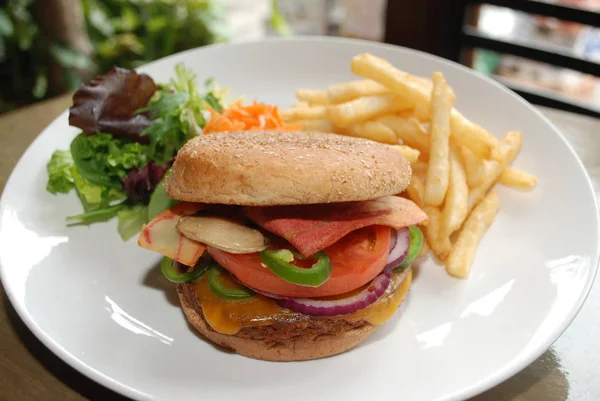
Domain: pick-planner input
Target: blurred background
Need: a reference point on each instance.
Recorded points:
(48, 47)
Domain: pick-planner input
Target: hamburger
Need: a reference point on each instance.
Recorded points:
(287, 246)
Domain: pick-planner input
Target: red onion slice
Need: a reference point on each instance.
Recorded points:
(393, 238)
(344, 306)
(399, 250)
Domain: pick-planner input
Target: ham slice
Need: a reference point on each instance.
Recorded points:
(311, 228)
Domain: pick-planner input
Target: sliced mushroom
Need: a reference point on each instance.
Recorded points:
(224, 234)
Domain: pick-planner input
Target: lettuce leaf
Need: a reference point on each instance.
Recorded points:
(131, 220)
(96, 215)
(60, 172)
(141, 183)
(108, 103)
(213, 101)
(177, 111)
(105, 160)
(159, 200)
(63, 176)
(132, 130)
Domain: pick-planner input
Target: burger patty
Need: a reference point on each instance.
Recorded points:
(299, 325)
(305, 326)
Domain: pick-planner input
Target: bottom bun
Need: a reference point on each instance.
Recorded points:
(309, 337)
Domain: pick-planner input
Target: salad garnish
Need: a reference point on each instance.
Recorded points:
(132, 129)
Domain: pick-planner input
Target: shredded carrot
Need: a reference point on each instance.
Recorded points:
(256, 116)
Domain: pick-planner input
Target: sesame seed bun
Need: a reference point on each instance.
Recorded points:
(285, 168)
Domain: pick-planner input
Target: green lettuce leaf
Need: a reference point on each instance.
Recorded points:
(131, 220)
(177, 110)
(104, 160)
(96, 165)
(96, 215)
(60, 172)
(63, 177)
(159, 200)
(214, 101)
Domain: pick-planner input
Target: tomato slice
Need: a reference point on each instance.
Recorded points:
(355, 260)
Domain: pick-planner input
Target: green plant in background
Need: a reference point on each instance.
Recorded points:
(127, 33)
(22, 72)
(130, 33)
(278, 21)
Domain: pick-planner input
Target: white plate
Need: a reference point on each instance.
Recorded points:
(103, 306)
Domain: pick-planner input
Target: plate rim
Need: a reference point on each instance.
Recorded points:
(508, 370)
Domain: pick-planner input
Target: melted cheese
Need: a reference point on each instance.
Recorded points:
(385, 307)
(229, 317)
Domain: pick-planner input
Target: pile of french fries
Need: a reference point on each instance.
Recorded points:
(455, 162)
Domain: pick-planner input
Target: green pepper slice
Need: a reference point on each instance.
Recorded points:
(279, 263)
(170, 272)
(215, 284)
(414, 247)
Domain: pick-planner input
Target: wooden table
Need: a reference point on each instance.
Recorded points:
(29, 371)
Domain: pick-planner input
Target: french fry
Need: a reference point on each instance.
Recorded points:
(379, 70)
(425, 83)
(420, 170)
(365, 108)
(312, 96)
(305, 113)
(504, 154)
(455, 205)
(434, 218)
(301, 104)
(461, 258)
(409, 131)
(317, 125)
(436, 183)
(411, 155)
(439, 245)
(493, 171)
(508, 148)
(471, 135)
(474, 167)
(514, 178)
(417, 91)
(344, 92)
(455, 162)
(372, 130)
(416, 190)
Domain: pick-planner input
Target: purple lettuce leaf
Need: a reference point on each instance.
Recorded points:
(140, 183)
(108, 103)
